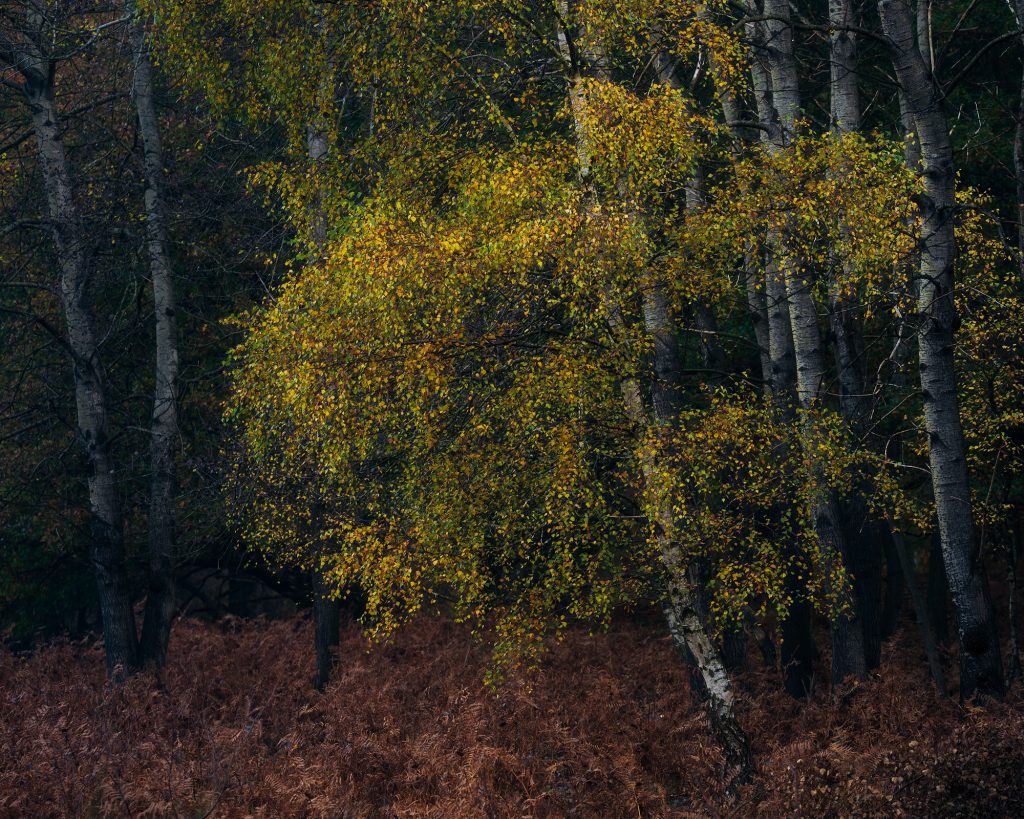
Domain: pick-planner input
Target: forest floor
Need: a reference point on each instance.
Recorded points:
(607, 727)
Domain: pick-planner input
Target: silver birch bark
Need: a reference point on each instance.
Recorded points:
(981, 669)
(808, 349)
(681, 610)
(798, 649)
(106, 522)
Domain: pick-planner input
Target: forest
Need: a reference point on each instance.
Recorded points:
(511, 408)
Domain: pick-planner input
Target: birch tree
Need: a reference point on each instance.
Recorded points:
(681, 607)
(980, 661)
(160, 602)
(33, 40)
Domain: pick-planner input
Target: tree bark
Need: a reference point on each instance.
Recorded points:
(106, 523)
(981, 669)
(845, 92)
(892, 607)
(681, 609)
(862, 535)
(1018, 147)
(1018, 172)
(156, 627)
(1013, 668)
(326, 607)
(938, 592)
(797, 640)
(847, 631)
(326, 630)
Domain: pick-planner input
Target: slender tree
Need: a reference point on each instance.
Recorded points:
(855, 400)
(794, 285)
(156, 627)
(681, 605)
(326, 608)
(1018, 139)
(798, 650)
(31, 51)
(980, 661)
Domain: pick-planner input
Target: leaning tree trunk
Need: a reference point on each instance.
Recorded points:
(685, 623)
(156, 627)
(106, 524)
(981, 667)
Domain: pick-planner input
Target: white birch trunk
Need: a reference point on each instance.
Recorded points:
(106, 523)
(981, 668)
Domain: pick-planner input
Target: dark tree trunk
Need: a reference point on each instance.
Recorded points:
(1018, 170)
(892, 607)
(327, 630)
(921, 612)
(156, 627)
(1018, 147)
(863, 538)
(1013, 666)
(326, 607)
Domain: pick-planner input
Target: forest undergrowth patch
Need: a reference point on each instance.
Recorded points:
(607, 727)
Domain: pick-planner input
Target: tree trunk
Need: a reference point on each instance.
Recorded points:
(1018, 147)
(1013, 666)
(326, 630)
(847, 631)
(981, 668)
(921, 612)
(892, 606)
(864, 553)
(845, 94)
(938, 592)
(797, 639)
(106, 524)
(713, 358)
(1018, 172)
(326, 607)
(681, 610)
(156, 627)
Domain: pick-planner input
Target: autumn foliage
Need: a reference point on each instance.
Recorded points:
(542, 316)
(607, 727)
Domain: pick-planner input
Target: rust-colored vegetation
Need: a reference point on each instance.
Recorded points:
(607, 727)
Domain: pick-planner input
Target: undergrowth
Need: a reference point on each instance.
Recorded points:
(607, 727)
